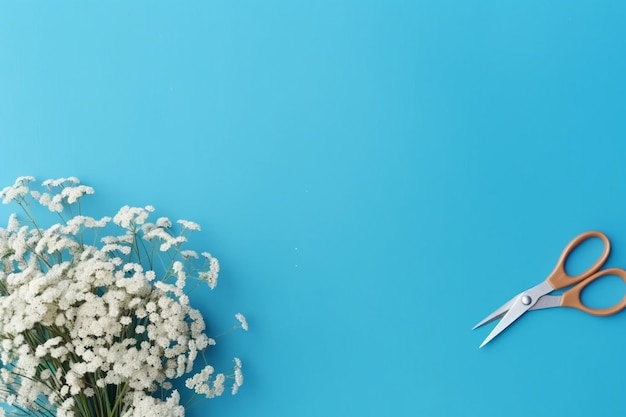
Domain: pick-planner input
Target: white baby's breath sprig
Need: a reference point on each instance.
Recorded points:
(94, 330)
(242, 321)
(238, 376)
(186, 224)
(211, 274)
(17, 191)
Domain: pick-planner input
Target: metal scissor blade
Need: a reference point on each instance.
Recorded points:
(500, 312)
(515, 312)
(522, 303)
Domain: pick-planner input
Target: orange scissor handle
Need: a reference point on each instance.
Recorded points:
(560, 279)
(571, 298)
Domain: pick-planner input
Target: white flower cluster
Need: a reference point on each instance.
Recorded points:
(79, 322)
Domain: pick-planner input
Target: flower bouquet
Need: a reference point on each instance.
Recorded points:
(100, 326)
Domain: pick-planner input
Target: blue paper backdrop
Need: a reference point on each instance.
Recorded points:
(375, 177)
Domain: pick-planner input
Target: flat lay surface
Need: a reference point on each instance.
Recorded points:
(375, 178)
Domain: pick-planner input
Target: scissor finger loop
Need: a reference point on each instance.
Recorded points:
(559, 278)
(572, 297)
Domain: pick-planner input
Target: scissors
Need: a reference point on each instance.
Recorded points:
(537, 298)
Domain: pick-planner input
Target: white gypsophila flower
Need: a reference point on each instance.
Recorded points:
(238, 373)
(60, 182)
(24, 180)
(238, 377)
(10, 194)
(123, 249)
(167, 239)
(53, 203)
(163, 222)
(242, 321)
(189, 225)
(218, 384)
(72, 194)
(188, 254)
(128, 216)
(13, 224)
(212, 274)
(200, 377)
(74, 225)
(17, 191)
(146, 406)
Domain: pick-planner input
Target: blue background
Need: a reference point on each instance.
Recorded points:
(375, 177)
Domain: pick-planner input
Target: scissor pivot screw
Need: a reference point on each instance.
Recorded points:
(526, 300)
